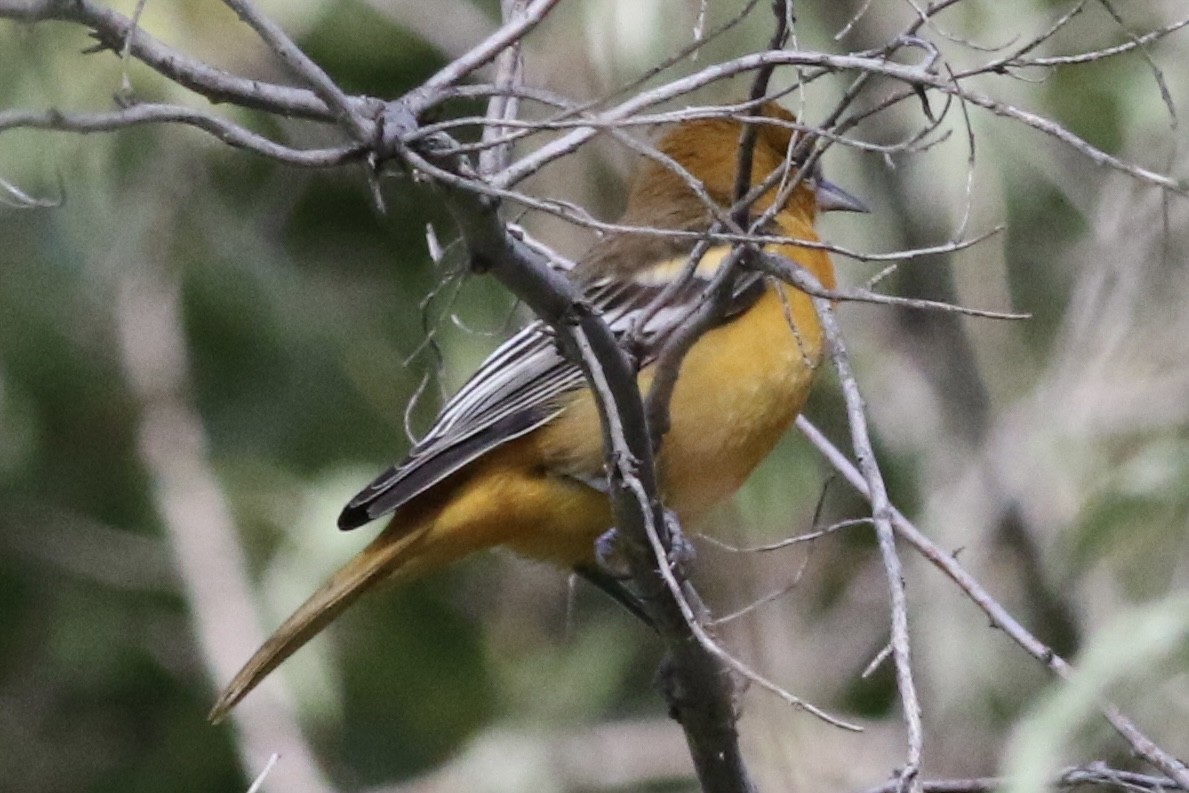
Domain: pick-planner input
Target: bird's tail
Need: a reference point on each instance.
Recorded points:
(378, 561)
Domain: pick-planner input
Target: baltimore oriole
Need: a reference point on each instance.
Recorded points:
(516, 456)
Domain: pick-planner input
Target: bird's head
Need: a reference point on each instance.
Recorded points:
(708, 149)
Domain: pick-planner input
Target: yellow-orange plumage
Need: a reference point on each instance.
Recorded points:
(740, 386)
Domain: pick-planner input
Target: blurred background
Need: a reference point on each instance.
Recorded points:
(204, 354)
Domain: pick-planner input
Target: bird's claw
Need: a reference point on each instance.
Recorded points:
(610, 556)
(682, 552)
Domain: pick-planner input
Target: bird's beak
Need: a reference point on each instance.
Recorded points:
(832, 198)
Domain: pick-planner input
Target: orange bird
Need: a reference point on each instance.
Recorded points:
(516, 456)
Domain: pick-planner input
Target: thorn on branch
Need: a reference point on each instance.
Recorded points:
(922, 95)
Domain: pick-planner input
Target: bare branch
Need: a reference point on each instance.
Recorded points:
(1100, 55)
(881, 514)
(13, 197)
(515, 29)
(468, 23)
(503, 106)
(791, 273)
(1095, 774)
(139, 115)
(1109, 52)
(1157, 74)
(999, 617)
(788, 542)
(690, 608)
(910, 75)
(347, 113)
(112, 30)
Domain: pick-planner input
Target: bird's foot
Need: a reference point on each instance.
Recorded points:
(682, 552)
(610, 556)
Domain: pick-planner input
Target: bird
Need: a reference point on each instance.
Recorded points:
(515, 457)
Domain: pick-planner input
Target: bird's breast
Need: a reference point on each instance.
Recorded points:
(739, 388)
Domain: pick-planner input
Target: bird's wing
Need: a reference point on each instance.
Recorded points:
(520, 386)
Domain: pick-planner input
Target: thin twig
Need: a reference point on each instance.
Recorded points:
(911, 75)
(1095, 774)
(881, 511)
(503, 106)
(682, 597)
(360, 127)
(1109, 52)
(514, 30)
(788, 542)
(139, 115)
(114, 30)
(999, 617)
(792, 273)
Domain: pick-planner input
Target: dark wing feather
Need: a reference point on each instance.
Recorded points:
(520, 385)
(512, 393)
